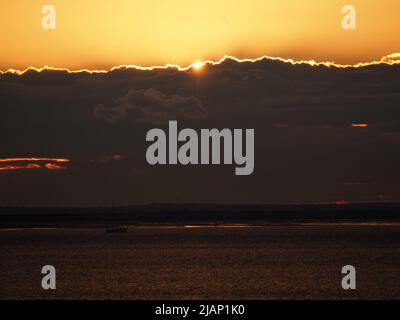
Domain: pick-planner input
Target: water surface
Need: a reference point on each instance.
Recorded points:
(192, 262)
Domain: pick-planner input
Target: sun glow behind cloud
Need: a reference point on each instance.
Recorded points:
(100, 34)
(198, 66)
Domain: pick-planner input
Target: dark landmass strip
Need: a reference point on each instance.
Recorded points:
(199, 214)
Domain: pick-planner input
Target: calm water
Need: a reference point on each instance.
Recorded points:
(298, 262)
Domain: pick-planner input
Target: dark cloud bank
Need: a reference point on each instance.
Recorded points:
(305, 147)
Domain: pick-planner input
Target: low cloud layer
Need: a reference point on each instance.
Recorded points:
(306, 145)
(151, 106)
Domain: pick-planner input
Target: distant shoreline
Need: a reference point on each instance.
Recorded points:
(201, 215)
(380, 224)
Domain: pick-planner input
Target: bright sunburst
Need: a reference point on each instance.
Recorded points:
(198, 65)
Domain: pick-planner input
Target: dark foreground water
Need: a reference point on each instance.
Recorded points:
(277, 262)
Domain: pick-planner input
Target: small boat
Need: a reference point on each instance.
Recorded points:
(119, 229)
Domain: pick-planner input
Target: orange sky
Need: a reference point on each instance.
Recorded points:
(99, 34)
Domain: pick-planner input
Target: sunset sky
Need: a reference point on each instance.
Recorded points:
(323, 132)
(100, 34)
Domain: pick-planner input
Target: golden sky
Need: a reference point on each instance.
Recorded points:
(99, 34)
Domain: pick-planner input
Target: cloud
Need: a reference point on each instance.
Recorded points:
(14, 164)
(387, 59)
(115, 157)
(151, 106)
(306, 148)
(392, 58)
(20, 167)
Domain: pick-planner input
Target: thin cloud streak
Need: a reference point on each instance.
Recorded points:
(51, 164)
(59, 160)
(22, 167)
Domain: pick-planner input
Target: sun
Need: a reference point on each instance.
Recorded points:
(198, 65)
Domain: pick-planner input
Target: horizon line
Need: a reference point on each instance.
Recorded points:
(165, 204)
(390, 59)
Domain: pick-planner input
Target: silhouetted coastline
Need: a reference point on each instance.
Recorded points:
(199, 214)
